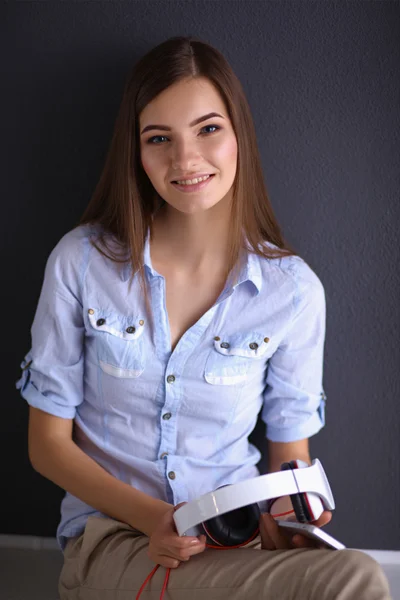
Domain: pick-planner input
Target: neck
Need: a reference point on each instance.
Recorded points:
(191, 244)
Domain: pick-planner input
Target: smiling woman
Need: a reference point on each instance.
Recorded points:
(189, 153)
(170, 319)
(192, 120)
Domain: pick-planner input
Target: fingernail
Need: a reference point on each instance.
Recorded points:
(194, 542)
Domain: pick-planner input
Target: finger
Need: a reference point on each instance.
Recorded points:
(183, 551)
(323, 519)
(168, 562)
(181, 548)
(279, 540)
(185, 543)
(300, 541)
(164, 560)
(197, 549)
(186, 553)
(266, 542)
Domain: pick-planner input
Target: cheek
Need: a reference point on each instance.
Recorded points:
(144, 161)
(227, 152)
(149, 162)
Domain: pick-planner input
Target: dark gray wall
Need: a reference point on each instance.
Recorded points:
(322, 79)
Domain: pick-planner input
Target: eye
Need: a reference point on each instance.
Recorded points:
(215, 127)
(150, 140)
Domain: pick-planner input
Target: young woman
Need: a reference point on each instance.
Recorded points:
(169, 318)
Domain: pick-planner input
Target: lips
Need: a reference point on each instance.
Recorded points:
(195, 187)
(192, 177)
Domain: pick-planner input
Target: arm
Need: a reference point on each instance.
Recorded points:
(294, 399)
(272, 537)
(280, 452)
(52, 384)
(55, 455)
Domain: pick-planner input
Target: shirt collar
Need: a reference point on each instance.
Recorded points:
(126, 271)
(250, 270)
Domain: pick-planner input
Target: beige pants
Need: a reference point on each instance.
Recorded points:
(109, 562)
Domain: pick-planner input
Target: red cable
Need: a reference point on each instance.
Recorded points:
(207, 546)
(150, 575)
(288, 512)
(165, 583)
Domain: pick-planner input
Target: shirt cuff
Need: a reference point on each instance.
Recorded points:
(37, 400)
(307, 429)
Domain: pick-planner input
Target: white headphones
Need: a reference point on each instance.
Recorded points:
(230, 515)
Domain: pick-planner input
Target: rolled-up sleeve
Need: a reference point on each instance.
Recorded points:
(294, 398)
(52, 370)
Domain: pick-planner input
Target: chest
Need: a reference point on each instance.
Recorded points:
(187, 300)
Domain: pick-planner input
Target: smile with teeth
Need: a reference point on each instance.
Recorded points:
(193, 181)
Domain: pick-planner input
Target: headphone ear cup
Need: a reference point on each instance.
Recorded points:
(298, 500)
(235, 527)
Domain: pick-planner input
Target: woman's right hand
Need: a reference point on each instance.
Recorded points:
(167, 548)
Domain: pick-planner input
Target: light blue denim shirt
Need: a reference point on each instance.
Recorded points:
(174, 424)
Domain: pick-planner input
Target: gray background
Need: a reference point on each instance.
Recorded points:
(322, 80)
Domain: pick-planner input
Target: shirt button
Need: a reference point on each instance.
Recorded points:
(91, 311)
(266, 340)
(171, 475)
(170, 378)
(253, 346)
(167, 416)
(100, 322)
(141, 322)
(217, 339)
(130, 330)
(225, 345)
(164, 454)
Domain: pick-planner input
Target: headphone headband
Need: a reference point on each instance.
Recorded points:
(310, 479)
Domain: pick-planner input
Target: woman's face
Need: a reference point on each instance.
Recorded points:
(185, 149)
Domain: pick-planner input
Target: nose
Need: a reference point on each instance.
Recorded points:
(184, 153)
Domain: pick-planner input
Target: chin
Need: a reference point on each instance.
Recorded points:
(192, 207)
(195, 205)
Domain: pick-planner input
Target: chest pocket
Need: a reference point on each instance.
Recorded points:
(119, 343)
(233, 356)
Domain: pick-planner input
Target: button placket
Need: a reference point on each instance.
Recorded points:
(173, 394)
(172, 391)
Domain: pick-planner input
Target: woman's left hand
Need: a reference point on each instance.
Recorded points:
(275, 538)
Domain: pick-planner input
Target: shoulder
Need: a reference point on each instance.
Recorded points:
(296, 272)
(301, 272)
(72, 244)
(67, 261)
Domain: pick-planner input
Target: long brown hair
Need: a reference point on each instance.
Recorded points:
(124, 200)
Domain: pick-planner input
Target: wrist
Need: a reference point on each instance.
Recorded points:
(154, 512)
(282, 509)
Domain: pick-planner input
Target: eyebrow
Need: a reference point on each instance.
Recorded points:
(192, 124)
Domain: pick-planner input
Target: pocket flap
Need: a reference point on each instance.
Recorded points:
(248, 344)
(121, 327)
